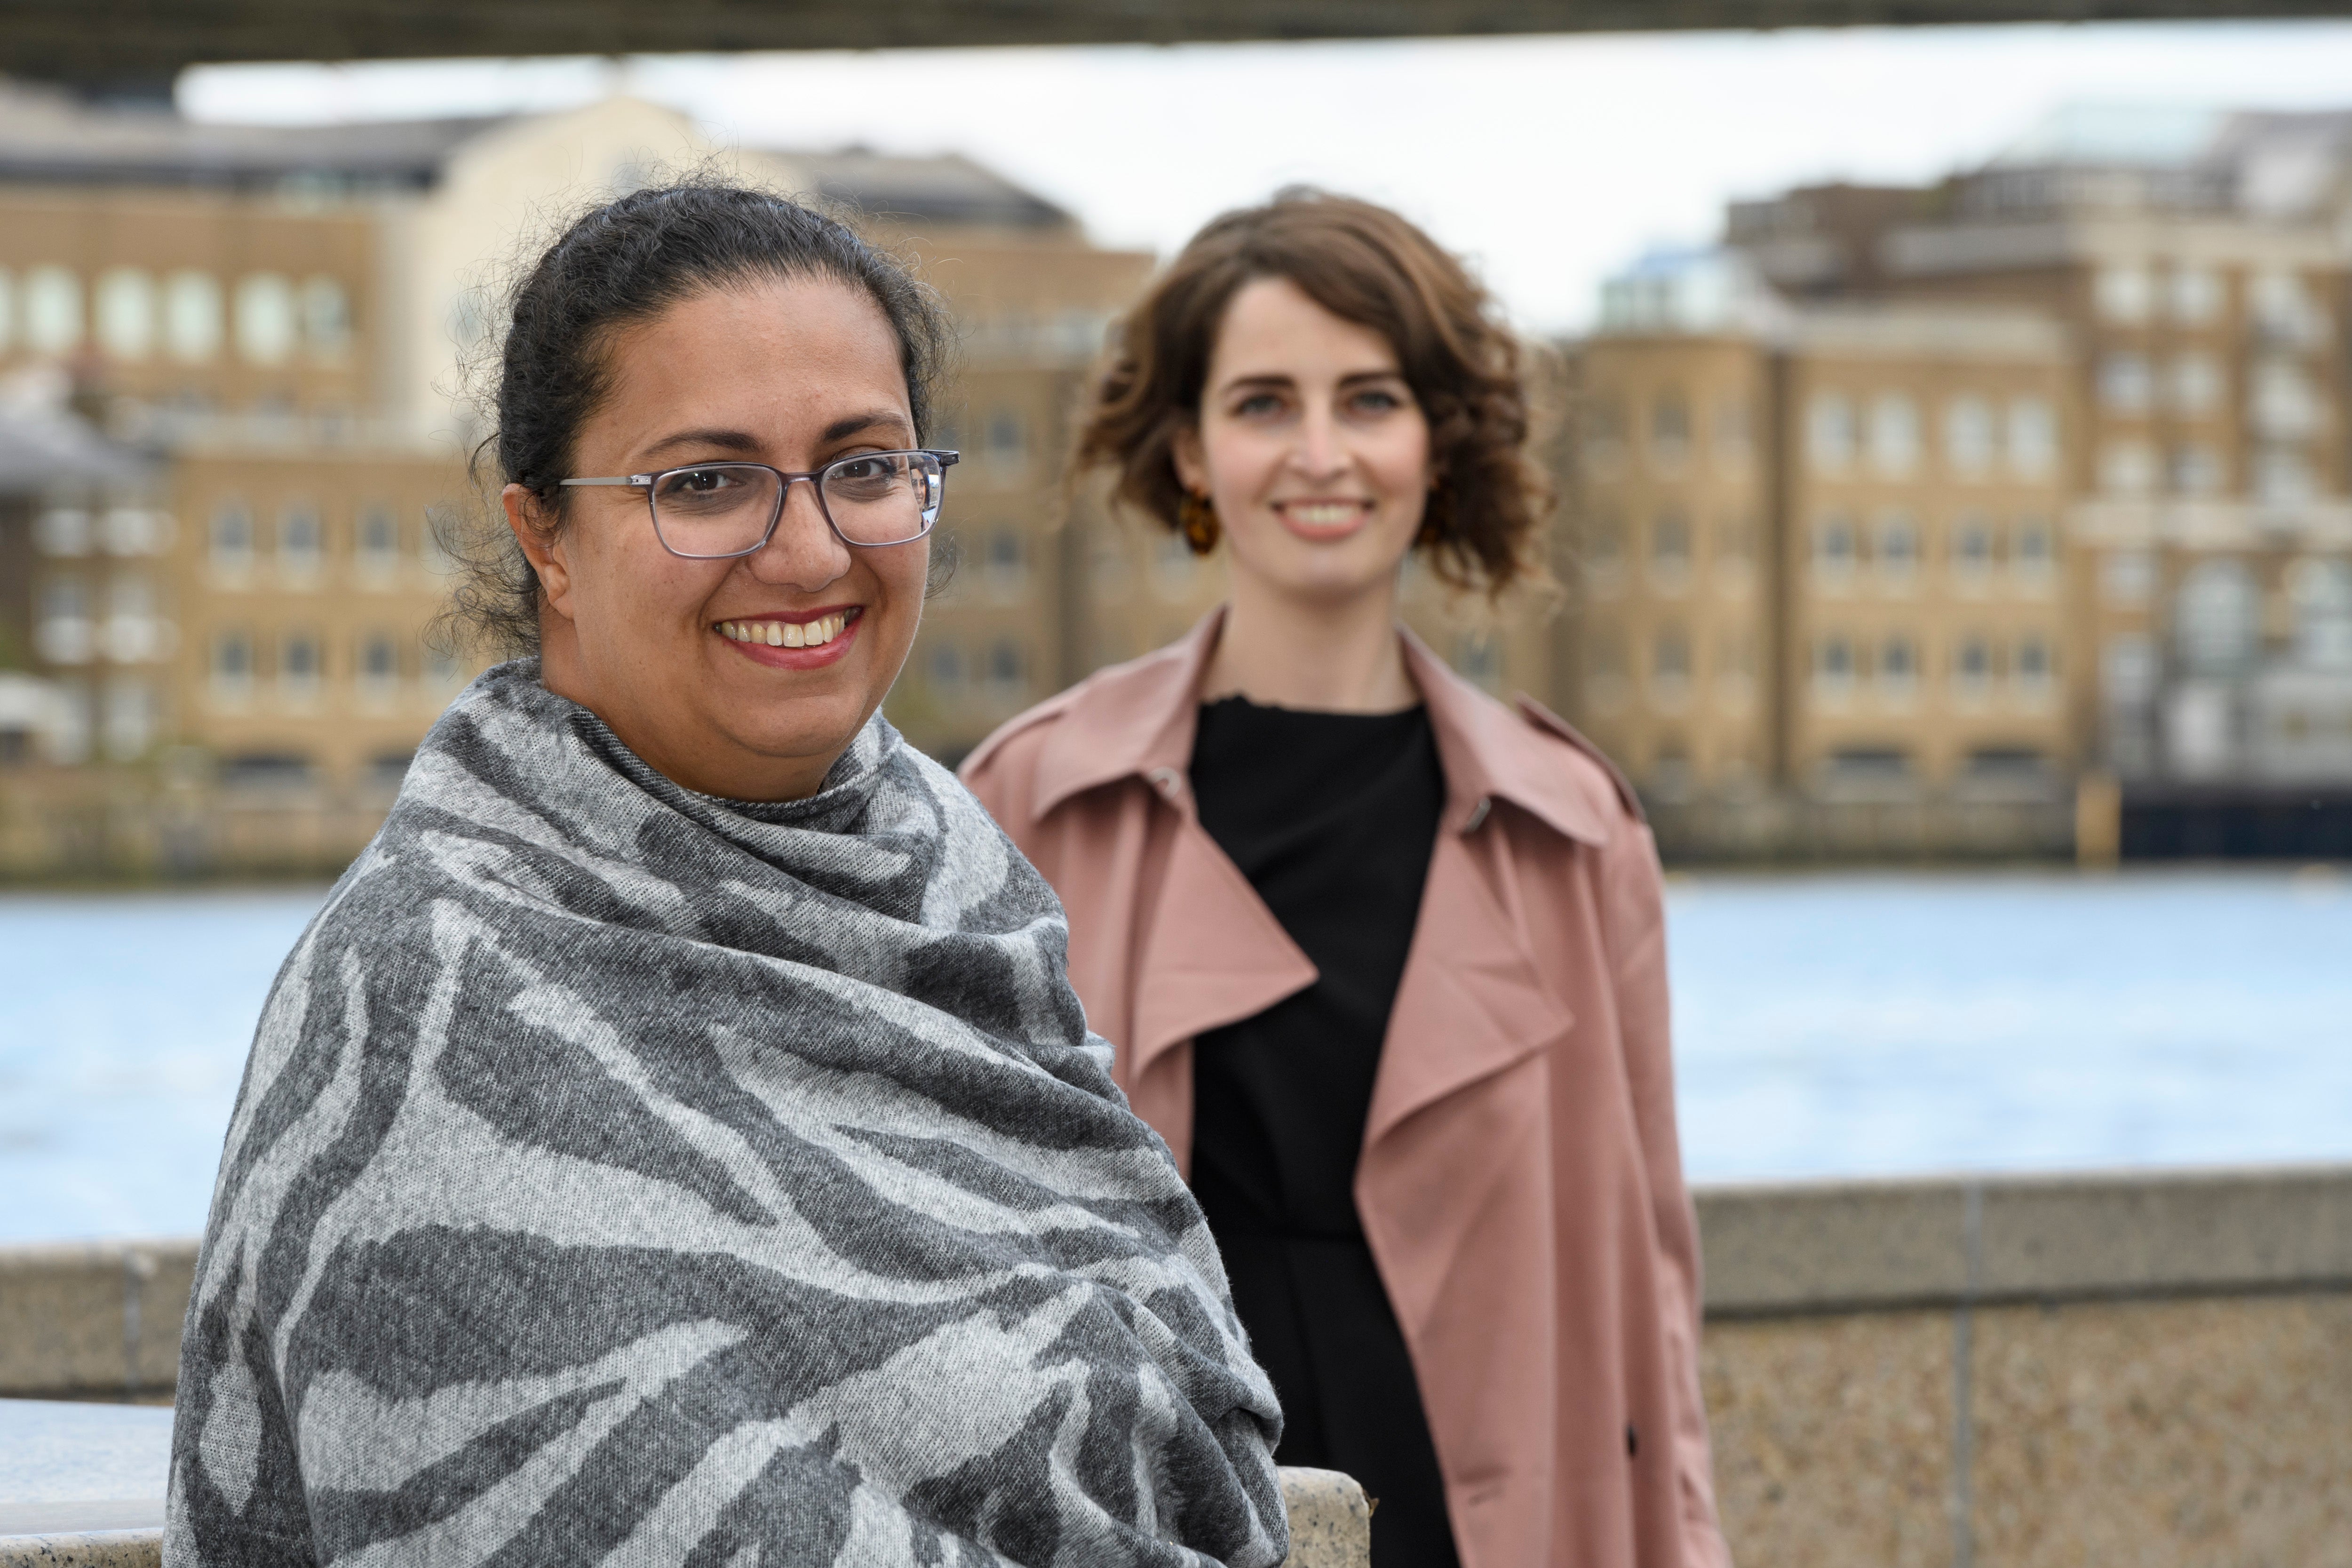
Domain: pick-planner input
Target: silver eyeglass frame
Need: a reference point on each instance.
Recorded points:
(785, 481)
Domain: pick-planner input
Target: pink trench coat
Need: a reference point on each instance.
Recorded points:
(1520, 1183)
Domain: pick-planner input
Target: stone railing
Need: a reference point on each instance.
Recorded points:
(2149, 1368)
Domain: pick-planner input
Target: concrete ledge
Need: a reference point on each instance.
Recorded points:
(1330, 1520)
(1774, 1250)
(97, 1549)
(94, 1320)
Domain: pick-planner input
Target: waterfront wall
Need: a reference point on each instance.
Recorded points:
(2144, 1368)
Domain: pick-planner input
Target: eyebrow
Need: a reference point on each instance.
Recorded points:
(1278, 378)
(745, 442)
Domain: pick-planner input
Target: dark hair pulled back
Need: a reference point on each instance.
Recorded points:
(615, 267)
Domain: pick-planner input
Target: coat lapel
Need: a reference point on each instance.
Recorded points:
(1215, 953)
(1471, 1004)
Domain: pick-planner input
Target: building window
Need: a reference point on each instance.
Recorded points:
(1894, 435)
(2128, 577)
(2125, 294)
(2035, 554)
(1972, 546)
(63, 530)
(1008, 672)
(300, 667)
(1670, 429)
(232, 537)
(192, 317)
(1830, 432)
(2195, 296)
(2125, 385)
(1833, 662)
(266, 326)
(2218, 618)
(232, 661)
(1670, 545)
(1835, 547)
(1972, 666)
(301, 548)
(2319, 592)
(379, 538)
(53, 323)
(2196, 385)
(1605, 655)
(1969, 437)
(1898, 546)
(2127, 467)
(378, 662)
(325, 319)
(126, 313)
(2033, 438)
(2195, 469)
(2284, 310)
(2034, 664)
(1734, 434)
(130, 723)
(1898, 663)
(1008, 440)
(1004, 571)
(2127, 670)
(2283, 477)
(443, 669)
(2282, 402)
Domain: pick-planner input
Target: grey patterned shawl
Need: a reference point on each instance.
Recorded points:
(624, 1176)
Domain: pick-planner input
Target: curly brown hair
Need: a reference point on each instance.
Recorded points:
(1367, 265)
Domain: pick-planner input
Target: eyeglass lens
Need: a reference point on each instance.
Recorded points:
(727, 508)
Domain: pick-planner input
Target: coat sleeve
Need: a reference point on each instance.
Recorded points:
(1634, 895)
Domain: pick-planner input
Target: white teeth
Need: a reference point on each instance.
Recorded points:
(1322, 514)
(786, 634)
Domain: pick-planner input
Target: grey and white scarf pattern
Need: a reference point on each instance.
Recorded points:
(624, 1176)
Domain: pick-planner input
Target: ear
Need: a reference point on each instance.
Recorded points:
(1190, 462)
(541, 547)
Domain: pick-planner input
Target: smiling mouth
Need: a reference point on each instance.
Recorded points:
(789, 634)
(1323, 513)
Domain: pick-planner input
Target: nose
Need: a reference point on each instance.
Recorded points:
(803, 552)
(1320, 452)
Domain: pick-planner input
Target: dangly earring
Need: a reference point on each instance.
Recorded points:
(1197, 519)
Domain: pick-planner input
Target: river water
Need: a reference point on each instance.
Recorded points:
(1853, 1023)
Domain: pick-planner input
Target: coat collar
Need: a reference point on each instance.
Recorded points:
(1137, 720)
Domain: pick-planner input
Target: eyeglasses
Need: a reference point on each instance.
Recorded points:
(710, 511)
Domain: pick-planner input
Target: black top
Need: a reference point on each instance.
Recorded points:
(1332, 818)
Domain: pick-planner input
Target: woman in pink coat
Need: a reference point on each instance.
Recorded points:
(1382, 960)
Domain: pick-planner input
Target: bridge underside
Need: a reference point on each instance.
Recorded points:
(102, 43)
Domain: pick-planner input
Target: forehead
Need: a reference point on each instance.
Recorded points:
(1273, 327)
(768, 344)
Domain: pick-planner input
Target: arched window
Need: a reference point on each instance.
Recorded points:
(126, 313)
(2217, 619)
(52, 310)
(192, 317)
(265, 323)
(2321, 594)
(1829, 433)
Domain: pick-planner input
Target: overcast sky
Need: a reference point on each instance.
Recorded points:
(1549, 161)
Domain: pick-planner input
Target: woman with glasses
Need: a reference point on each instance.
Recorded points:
(676, 1140)
(1381, 958)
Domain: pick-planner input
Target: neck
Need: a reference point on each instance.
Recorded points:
(727, 772)
(1336, 656)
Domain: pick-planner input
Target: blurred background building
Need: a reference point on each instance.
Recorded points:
(1997, 515)
(2007, 515)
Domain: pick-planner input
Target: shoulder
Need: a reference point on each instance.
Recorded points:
(1597, 775)
(1087, 736)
